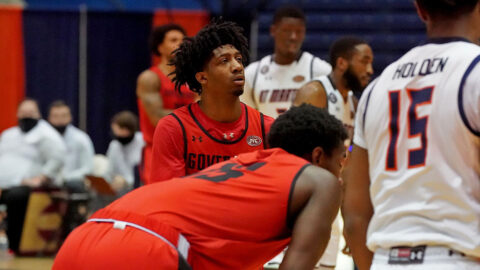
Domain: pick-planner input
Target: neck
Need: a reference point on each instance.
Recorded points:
(224, 109)
(340, 83)
(165, 67)
(283, 59)
(461, 27)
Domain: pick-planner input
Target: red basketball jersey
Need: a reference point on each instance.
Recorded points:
(171, 100)
(234, 214)
(203, 149)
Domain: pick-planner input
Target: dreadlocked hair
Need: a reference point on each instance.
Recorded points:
(194, 52)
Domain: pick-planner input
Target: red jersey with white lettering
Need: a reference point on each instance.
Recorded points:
(234, 214)
(188, 141)
(171, 100)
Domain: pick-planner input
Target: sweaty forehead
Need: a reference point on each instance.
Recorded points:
(225, 49)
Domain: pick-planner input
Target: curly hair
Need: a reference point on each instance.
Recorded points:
(158, 35)
(447, 8)
(194, 53)
(301, 129)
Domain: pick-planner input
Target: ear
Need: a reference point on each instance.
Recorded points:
(421, 13)
(273, 28)
(201, 77)
(318, 155)
(342, 64)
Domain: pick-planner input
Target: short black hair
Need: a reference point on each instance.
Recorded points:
(447, 8)
(193, 54)
(288, 12)
(56, 104)
(158, 35)
(300, 129)
(126, 120)
(344, 47)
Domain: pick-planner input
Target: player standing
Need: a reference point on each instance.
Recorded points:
(272, 82)
(156, 93)
(412, 183)
(219, 126)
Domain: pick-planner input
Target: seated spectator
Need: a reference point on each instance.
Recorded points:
(80, 152)
(31, 155)
(124, 152)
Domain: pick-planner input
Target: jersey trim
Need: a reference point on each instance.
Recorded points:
(311, 67)
(289, 220)
(460, 96)
(366, 105)
(255, 81)
(262, 124)
(444, 40)
(215, 139)
(185, 144)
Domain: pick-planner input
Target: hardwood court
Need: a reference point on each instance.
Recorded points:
(26, 263)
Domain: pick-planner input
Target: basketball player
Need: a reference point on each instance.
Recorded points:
(156, 93)
(234, 215)
(413, 176)
(272, 82)
(351, 59)
(219, 126)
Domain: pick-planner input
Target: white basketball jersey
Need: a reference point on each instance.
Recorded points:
(420, 122)
(271, 88)
(342, 109)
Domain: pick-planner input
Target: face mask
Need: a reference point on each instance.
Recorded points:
(60, 128)
(27, 123)
(124, 140)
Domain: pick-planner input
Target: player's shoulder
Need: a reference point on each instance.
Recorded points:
(253, 67)
(148, 77)
(319, 66)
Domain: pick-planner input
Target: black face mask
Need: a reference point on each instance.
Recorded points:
(124, 140)
(27, 123)
(60, 128)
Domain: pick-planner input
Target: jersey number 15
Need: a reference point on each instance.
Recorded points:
(417, 127)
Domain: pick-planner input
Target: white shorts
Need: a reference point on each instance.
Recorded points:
(432, 257)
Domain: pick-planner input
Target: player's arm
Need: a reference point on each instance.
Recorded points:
(316, 200)
(168, 150)
(247, 96)
(357, 207)
(311, 93)
(147, 91)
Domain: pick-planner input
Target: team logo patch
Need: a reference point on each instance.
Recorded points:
(264, 70)
(254, 140)
(332, 98)
(298, 78)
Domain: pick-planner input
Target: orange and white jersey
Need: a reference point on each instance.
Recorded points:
(420, 123)
(271, 88)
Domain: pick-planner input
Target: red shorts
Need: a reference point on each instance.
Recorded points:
(100, 246)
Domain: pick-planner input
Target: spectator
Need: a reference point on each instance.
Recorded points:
(80, 152)
(125, 151)
(31, 155)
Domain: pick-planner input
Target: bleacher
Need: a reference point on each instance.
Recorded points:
(390, 26)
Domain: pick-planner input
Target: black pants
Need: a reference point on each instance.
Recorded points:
(16, 199)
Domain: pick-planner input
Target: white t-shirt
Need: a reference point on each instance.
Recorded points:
(420, 122)
(25, 155)
(124, 158)
(271, 88)
(80, 153)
